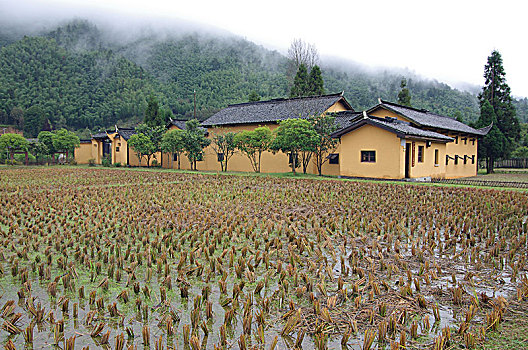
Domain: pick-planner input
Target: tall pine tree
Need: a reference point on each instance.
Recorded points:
(404, 96)
(153, 115)
(497, 92)
(300, 82)
(315, 82)
(492, 145)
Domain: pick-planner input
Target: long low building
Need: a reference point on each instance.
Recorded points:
(388, 141)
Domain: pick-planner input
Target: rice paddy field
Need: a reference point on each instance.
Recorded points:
(121, 259)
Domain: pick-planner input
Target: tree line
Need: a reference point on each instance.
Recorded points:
(44, 148)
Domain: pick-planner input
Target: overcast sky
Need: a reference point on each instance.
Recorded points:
(446, 40)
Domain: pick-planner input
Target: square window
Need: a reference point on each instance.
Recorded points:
(420, 154)
(175, 157)
(456, 159)
(333, 158)
(220, 157)
(117, 149)
(290, 159)
(436, 157)
(368, 156)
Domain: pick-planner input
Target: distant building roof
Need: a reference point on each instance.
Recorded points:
(126, 133)
(400, 128)
(275, 110)
(100, 136)
(424, 118)
(179, 123)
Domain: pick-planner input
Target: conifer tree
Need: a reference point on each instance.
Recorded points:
(253, 96)
(315, 82)
(497, 92)
(300, 83)
(153, 115)
(404, 96)
(492, 145)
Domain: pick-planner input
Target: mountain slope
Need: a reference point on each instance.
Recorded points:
(86, 77)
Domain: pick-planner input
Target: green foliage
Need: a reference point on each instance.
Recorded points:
(65, 141)
(13, 142)
(82, 81)
(46, 138)
(300, 82)
(253, 143)
(34, 119)
(147, 141)
(497, 92)
(76, 90)
(153, 115)
(225, 145)
(296, 137)
(324, 126)
(315, 82)
(520, 152)
(194, 141)
(253, 96)
(106, 161)
(492, 145)
(143, 146)
(404, 96)
(172, 143)
(307, 84)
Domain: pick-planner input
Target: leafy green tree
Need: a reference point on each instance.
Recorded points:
(65, 141)
(225, 146)
(143, 146)
(253, 96)
(149, 148)
(497, 92)
(12, 143)
(45, 138)
(172, 143)
(404, 96)
(39, 150)
(492, 145)
(194, 141)
(520, 152)
(155, 133)
(34, 119)
(295, 137)
(315, 82)
(253, 143)
(300, 83)
(324, 125)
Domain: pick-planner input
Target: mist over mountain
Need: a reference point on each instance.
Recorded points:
(89, 76)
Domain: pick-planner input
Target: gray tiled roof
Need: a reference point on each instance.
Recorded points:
(100, 135)
(400, 128)
(274, 110)
(424, 118)
(178, 123)
(126, 133)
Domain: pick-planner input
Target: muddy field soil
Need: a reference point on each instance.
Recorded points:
(135, 259)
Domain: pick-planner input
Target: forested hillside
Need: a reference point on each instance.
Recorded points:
(82, 77)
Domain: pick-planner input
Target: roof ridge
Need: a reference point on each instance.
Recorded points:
(423, 110)
(282, 99)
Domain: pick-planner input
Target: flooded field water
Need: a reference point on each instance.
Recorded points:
(124, 259)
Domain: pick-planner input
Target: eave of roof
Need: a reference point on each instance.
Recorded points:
(424, 118)
(401, 129)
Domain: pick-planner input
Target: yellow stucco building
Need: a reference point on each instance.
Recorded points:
(112, 145)
(388, 141)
